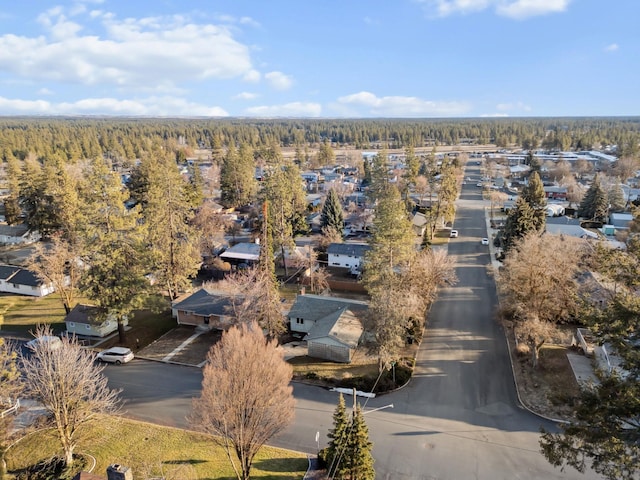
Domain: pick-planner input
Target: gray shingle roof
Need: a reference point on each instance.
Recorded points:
(205, 303)
(26, 277)
(7, 271)
(352, 249)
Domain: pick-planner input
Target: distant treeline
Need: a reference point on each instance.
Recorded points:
(127, 138)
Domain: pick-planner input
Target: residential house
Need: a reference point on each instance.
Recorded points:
(205, 308)
(554, 192)
(19, 280)
(419, 223)
(333, 326)
(569, 227)
(242, 253)
(17, 234)
(346, 255)
(85, 320)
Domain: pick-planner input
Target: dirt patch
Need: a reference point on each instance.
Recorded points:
(551, 389)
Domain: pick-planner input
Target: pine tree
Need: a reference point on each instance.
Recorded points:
(594, 205)
(616, 198)
(358, 455)
(332, 215)
(520, 221)
(533, 194)
(338, 438)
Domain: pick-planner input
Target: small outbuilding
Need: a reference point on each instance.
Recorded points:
(86, 320)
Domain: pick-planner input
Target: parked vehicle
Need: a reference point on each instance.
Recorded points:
(51, 341)
(453, 234)
(484, 241)
(116, 355)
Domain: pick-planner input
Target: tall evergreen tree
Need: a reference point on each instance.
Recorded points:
(332, 215)
(358, 455)
(616, 199)
(237, 176)
(338, 439)
(533, 194)
(520, 221)
(595, 204)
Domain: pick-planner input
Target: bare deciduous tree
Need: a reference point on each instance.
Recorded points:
(251, 299)
(69, 384)
(237, 404)
(538, 284)
(58, 263)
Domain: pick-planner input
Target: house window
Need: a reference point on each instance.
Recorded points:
(88, 327)
(299, 321)
(206, 320)
(71, 324)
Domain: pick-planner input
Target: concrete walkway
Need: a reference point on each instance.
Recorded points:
(182, 346)
(582, 369)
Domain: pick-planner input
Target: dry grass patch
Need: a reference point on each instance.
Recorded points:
(153, 451)
(551, 389)
(309, 368)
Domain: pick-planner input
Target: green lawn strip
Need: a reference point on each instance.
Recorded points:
(155, 450)
(21, 314)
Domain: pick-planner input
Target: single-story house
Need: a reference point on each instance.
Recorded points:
(204, 308)
(333, 326)
(554, 192)
(419, 223)
(246, 252)
(19, 280)
(17, 234)
(620, 220)
(85, 320)
(346, 255)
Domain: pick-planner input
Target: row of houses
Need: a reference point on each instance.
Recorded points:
(331, 326)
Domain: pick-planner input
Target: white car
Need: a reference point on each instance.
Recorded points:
(116, 355)
(453, 234)
(50, 341)
(484, 241)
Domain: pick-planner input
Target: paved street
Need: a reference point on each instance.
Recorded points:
(457, 419)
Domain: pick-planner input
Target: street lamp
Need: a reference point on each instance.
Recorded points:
(379, 408)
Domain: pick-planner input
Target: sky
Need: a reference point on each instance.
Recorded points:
(320, 58)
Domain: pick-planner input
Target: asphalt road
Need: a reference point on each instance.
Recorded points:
(457, 419)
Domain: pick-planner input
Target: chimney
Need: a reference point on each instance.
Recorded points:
(119, 472)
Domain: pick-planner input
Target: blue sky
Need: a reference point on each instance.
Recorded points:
(320, 58)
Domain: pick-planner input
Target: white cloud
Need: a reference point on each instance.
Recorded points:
(133, 52)
(279, 80)
(494, 115)
(396, 106)
(611, 48)
(44, 91)
(246, 96)
(293, 109)
(516, 9)
(151, 106)
(252, 76)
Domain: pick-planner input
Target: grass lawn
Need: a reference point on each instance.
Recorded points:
(20, 314)
(303, 366)
(151, 450)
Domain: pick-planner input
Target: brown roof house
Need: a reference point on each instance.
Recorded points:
(333, 326)
(85, 320)
(205, 308)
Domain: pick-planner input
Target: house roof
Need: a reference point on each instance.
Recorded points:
(343, 325)
(205, 303)
(84, 314)
(352, 249)
(569, 230)
(243, 251)
(7, 271)
(419, 220)
(315, 307)
(14, 230)
(26, 277)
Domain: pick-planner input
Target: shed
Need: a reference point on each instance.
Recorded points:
(86, 320)
(245, 252)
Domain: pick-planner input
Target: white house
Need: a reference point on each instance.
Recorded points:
(85, 320)
(17, 234)
(346, 255)
(23, 282)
